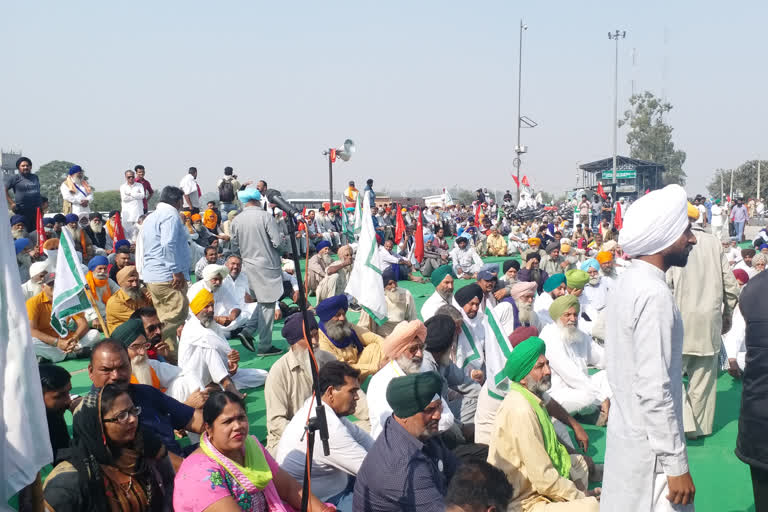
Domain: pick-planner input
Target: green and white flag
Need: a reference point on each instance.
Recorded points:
(359, 214)
(69, 289)
(365, 283)
(346, 228)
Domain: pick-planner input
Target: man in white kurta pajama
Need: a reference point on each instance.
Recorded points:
(646, 458)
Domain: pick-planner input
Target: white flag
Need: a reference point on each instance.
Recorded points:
(447, 199)
(69, 289)
(24, 446)
(365, 282)
(359, 214)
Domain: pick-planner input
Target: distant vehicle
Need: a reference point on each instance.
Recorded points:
(316, 203)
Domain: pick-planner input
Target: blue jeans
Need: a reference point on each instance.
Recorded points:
(343, 500)
(739, 230)
(225, 208)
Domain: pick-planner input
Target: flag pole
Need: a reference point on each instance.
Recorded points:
(96, 309)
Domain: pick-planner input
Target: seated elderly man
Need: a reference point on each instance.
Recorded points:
(401, 307)
(34, 285)
(98, 236)
(593, 299)
(524, 443)
(571, 351)
(442, 279)
(553, 262)
(495, 243)
(470, 351)
(24, 250)
(336, 275)
(554, 287)
(206, 358)
(74, 340)
(83, 245)
(521, 299)
(289, 381)
(534, 247)
(353, 344)
(228, 314)
(416, 462)
(404, 348)
(607, 269)
(317, 265)
(509, 270)
(101, 287)
(459, 391)
(333, 475)
(532, 273)
(130, 297)
(466, 262)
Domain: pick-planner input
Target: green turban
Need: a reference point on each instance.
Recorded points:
(127, 332)
(576, 279)
(563, 304)
(554, 281)
(439, 274)
(413, 393)
(523, 358)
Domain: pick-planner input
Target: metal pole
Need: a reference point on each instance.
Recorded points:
(730, 194)
(758, 180)
(722, 195)
(616, 35)
(519, 113)
(330, 180)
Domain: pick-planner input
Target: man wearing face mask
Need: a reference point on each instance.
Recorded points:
(37, 271)
(96, 233)
(101, 287)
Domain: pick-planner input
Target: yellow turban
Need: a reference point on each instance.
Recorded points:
(201, 300)
(534, 241)
(693, 212)
(565, 248)
(604, 257)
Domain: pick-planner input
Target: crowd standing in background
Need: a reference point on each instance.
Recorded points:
(588, 311)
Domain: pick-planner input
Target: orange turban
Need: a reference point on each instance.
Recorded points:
(402, 336)
(51, 244)
(534, 241)
(201, 300)
(196, 217)
(604, 257)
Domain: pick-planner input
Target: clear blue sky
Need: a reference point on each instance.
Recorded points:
(428, 89)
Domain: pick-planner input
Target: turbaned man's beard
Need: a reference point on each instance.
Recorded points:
(97, 227)
(326, 258)
(446, 295)
(538, 388)
(568, 332)
(524, 312)
(141, 369)
(338, 330)
(133, 293)
(408, 365)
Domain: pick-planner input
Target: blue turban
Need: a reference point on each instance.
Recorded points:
(763, 246)
(249, 194)
(554, 281)
(96, 261)
(322, 245)
(20, 244)
(328, 308)
(122, 243)
(590, 263)
(75, 169)
(17, 219)
(48, 221)
(293, 330)
(72, 218)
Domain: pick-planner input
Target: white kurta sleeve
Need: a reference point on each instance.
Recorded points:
(652, 386)
(216, 366)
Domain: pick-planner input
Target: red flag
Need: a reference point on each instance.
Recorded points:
(40, 231)
(418, 249)
(617, 220)
(601, 191)
(119, 233)
(478, 209)
(399, 225)
(517, 181)
(526, 183)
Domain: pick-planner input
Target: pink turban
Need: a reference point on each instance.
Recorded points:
(402, 336)
(521, 288)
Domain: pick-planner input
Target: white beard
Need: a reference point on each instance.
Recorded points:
(75, 233)
(524, 312)
(594, 281)
(97, 227)
(569, 334)
(395, 296)
(141, 370)
(408, 365)
(326, 259)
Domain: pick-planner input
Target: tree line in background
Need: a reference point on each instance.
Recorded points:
(744, 180)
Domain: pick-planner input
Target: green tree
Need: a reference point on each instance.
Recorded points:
(650, 137)
(51, 176)
(744, 180)
(106, 201)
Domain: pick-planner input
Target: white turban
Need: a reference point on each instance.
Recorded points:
(289, 266)
(38, 267)
(655, 221)
(214, 270)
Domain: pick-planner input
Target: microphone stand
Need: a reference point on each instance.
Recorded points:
(319, 422)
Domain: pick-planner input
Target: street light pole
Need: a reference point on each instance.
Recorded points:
(616, 36)
(518, 148)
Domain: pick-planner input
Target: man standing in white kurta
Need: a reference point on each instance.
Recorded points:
(646, 463)
(131, 202)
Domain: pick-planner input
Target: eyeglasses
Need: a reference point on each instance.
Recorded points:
(130, 177)
(140, 346)
(415, 349)
(124, 416)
